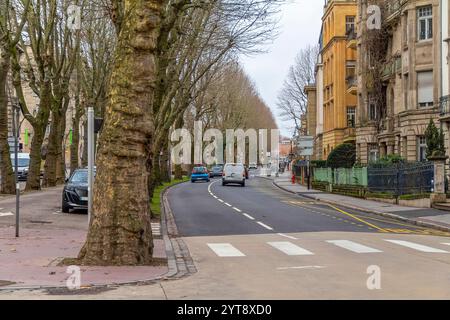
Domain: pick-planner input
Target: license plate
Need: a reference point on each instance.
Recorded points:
(84, 198)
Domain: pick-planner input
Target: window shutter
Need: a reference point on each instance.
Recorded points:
(425, 87)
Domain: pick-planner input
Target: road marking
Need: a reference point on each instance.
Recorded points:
(216, 197)
(301, 268)
(356, 218)
(416, 246)
(446, 244)
(290, 249)
(353, 246)
(238, 210)
(225, 250)
(229, 205)
(220, 200)
(6, 214)
(265, 226)
(286, 236)
(248, 216)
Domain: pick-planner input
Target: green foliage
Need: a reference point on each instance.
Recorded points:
(435, 140)
(319, 163)
(415, 196)
(343, 156)
(390, 159)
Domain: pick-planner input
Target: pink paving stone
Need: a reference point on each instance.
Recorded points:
(29, 260)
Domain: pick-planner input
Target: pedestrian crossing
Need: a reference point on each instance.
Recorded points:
(156, 229)
(228, 250)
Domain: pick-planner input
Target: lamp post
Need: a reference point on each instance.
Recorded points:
(16, 132)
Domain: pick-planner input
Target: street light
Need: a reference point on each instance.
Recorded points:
(16, 132)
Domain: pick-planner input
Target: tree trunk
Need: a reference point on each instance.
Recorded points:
(74, 154)
(164, 167)
(7, 175)
(120, 232)
(178, 172)
(51, 157)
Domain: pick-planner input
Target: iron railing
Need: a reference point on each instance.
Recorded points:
(401, 178)
(444, 105)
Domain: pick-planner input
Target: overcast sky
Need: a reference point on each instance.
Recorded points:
(299, 26)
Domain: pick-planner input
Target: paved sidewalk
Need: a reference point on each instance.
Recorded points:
(47, 235)
(31, 260)
(425, 217)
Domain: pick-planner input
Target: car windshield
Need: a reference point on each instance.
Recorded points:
(217, 168)
(199, 170)
(79, 177)
(234, 167)
(23, 162)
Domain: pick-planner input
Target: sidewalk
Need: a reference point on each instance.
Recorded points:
(424, 217)
(31, 261)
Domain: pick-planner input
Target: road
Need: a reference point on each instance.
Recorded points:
(261, 242)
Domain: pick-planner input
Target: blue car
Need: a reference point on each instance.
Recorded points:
(200, 174)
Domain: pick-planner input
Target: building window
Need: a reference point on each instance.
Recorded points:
(425, 22)
(373, 114)
(425, 89)
(421, 148)
(351, 117)
(349, 24)
(374, 153)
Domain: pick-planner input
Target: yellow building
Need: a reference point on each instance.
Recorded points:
(339, 63)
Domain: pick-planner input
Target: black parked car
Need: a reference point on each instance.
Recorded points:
(75, 193)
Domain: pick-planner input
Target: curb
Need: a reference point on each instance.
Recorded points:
(383, 214)
(180, 263)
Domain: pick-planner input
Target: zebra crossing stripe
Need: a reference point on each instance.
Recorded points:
(225, 250)
(290, 249)
(353, 246)
(416, 246)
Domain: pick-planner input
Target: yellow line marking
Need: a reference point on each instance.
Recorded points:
(360, 220)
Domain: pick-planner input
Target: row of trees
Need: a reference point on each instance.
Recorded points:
(148, 66)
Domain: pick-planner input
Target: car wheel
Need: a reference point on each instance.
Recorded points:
(192, 181)
(223, 184)
(65, 208)
(243, 183)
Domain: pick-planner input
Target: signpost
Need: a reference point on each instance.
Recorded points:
(305, 145)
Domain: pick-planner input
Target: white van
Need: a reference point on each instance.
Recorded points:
(23, 165)
(233, 173)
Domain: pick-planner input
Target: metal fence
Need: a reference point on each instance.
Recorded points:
(402, 178)
(342, 176)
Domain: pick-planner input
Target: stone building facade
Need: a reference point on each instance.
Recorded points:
(411, 81)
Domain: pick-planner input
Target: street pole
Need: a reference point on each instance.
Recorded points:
(16, 163)
(90, 160)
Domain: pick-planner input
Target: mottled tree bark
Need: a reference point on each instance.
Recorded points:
(7, 175)
(120, 231)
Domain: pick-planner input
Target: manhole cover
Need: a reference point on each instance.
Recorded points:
(40, 222)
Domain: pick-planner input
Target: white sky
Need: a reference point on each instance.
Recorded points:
(299, 26)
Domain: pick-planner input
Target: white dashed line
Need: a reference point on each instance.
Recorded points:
(220, 200)
(225, 250)
(354, 247)
(416, 246)
(227, 204)
(286, 236)
(6, 214)
(265, 226)
(248, 216)
(290, 249)
(236, 209)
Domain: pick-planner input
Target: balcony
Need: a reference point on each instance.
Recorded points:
(444, 108)
(351, 39)
(392, 67)
(394, 9)
(387, 125)
(352, 84)
(349, 135)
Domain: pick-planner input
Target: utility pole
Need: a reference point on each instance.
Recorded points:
(91, 156)
(16, 131)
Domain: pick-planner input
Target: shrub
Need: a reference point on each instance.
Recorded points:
(343, 156)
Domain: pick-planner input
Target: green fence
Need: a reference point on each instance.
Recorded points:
(348, 177)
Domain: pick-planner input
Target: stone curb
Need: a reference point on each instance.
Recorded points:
(384, 214)
(180, 263)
